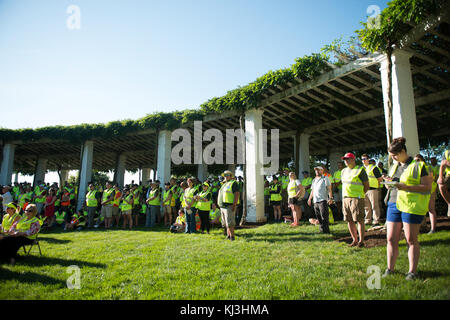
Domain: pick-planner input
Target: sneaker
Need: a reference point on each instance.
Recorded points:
(231, 238)
(411, 276)
(387, 273)
(432, 231)
(361, 244)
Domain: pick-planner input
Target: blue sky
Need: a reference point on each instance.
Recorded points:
(131, 58)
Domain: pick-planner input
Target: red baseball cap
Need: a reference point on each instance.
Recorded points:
(348, 155)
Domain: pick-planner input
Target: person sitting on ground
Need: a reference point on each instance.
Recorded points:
(214, 216)
(78, 220)
(23, 232)
(180, 223)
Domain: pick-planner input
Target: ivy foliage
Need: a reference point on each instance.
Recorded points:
(383, 32)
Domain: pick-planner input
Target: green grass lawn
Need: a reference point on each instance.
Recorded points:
(273, 261)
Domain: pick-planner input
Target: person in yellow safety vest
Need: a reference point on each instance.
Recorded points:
(296, 191)
(443, 180)
(107, 204)
(168, 204)
(371, 199)
(306, 183)
(409, 186)
(60, 216)
(136, 203)
(355, 184)
(154, 202)
(189, 206)
(15, 191)
(91, 204)
(214, 215)
(432, 202)
(276, 198)
(69, 188)
(12, 215)
(126, 207)
(39, 199)
(204, 200)
(23, 232)
(116, 204)
(228, 199)
(283, 179)
(21, 199)
(180, 223)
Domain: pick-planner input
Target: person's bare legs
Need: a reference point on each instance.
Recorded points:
(353, 231)
(393, 232)
(361, 231)
(411, 235)
(432, 211)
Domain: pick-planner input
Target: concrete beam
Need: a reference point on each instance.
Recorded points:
(87, 155)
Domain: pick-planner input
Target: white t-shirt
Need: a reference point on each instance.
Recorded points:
(319, 188)
(7, 198)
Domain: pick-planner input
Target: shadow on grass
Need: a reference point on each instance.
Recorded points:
(39, 261)
(432, 274)
(286, 237)
(53, 240)
(434, 242)
(29, 277)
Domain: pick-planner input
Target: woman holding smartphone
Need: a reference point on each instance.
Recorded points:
(408, 197)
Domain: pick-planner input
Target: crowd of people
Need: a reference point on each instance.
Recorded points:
(354, 193)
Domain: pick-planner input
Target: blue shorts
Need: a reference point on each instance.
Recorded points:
(394, 215)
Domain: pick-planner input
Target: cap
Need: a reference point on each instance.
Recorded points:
(348, 155)
(227, 172)
(205, 184)
(319, 167)
(12, 206)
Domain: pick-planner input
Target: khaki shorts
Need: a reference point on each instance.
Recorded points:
(228, 217)
(107, 211)
(115, 211)
(353, 210)
(126, 213)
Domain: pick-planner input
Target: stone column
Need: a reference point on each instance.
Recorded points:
(335, 157)
(202, 171)
(7, 164)
(41, 169)
(303, 154)
(87, 155)
(119, 174)
(164, 157)
(64, 177)
(404, 122)
(254, 166)
(145, 175)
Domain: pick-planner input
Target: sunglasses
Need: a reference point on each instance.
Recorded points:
(28, 210)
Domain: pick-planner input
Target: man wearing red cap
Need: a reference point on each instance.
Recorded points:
(355, 184)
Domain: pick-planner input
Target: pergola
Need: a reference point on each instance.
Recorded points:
(340, 110)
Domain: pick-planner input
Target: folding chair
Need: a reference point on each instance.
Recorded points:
(35, 242)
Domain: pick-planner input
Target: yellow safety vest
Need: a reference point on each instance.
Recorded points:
(204, 205)
(136, 197)
(227, 193)
(447, 157)
(125, 206)
(292, 189)
(337, 178)
(91, 200)
(189, 196)
(407, 201)
(352, 186)
(24, 225)
(275, 196)
(22, 199)
(106, 194)
(306, 182)
(38, 194)
(166, 197)
(156, 201)
(8, 221)
(373, 181)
